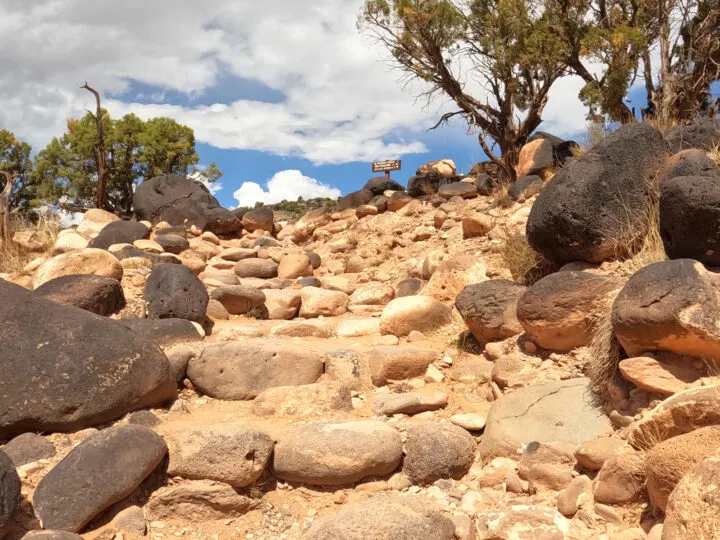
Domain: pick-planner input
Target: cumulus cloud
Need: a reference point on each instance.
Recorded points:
(284, 186)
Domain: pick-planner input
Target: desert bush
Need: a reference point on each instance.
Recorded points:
(525, 264)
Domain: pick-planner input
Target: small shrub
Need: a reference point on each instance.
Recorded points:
(714, 153)
(525, 264)
(605, 354)
(14, 258)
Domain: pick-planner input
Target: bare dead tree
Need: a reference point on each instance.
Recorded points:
(100, 155)
(5, 206)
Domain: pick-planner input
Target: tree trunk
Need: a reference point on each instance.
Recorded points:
(5, 207)
(100, 157)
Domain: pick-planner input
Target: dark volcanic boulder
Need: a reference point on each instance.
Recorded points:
(428, 183)
(164, 332)
(119, 232)
(65, 368)
(27, 448)
(485, 184)
(9, 492)
(355, 199)
(692, 162)
(261, 219)
(525, 187)
(458, 189)
(380, 184)
(173, 243)
(380, 202)
(690, 218)
(98, 294)
(102, 470)
(702, 133)
(173, 291)
(127, 252)
(174, 199)
(669, 306)
(592, 209)
(488, 309)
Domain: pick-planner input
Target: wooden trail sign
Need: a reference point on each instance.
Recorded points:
(386, 166)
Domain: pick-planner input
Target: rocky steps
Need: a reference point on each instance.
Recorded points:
(374, 373)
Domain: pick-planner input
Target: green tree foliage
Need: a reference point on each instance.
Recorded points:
(15, 159)
(495, 59)
(136, 150)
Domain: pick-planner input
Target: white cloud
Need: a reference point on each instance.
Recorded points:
(213, 187)
(284, 186)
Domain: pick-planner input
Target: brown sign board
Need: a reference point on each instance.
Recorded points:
(387, 165)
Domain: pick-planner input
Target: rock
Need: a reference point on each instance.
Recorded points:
(555, 411)
(238, 254)
(130, 520)
(692, 162)
(295, 266)
(238, 300)
(320, 302)
(9, 492)
(309, 282)
(119, 232)
(229, 453)
(485, 184)
(94, 221)
(149, 246)
(670, 460)
(337, 453)
(621, 479)
(96, 262)
(31, 241)
(434, 451)
(421, 313)
(256, 268)
(224, 277)
(691, 511)
(178, 200)
(102, 470)
(398, 363)
(282, 304)
(488, 309)
(428, 183)
(549, 465)
(682, 413)
(366, 210)
(408, 287)
(385, 518)
(349, 368)
(306, 400)
(164, 332)
(51, 535)
(658, 377)
(179, 356)
(444, 167)
(453, 275)
(469, 421)
(535, 157)
(306, 225)
(689, 217)
(559, 312)
(703, 133)
(27, 448)
(671, 306)
(398, 201)
(521, 522)
(389, 404)
(372, 294)
(525, 187)
(476, 224)
(355, 199)
(97, 294)
(216, 311)
(172, 243)
(241, 370)
(300, 329)
(592, 454)
(380, 184)
(569, 500)
(173, 292)
(144, 418)
(92, 369)
(69, 240)
(358, 327)
(458, 189)
(580, 215)
(197, 501)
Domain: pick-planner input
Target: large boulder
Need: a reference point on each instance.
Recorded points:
(591, 209)
(241, 370)
(102, 470)
(703, 133)
(535, 157)
(435, 450)
(488, 309)
(94, 220)
(178, 200)
(97, 294)
(458, 189)
(355, 199)
(525, 187)
(443, 167)
(385, 518)
(691, 162)
(81, 369)
(554, 411)
(119, 232)
(173, 291)
(559, 312)
(9, 492)
(338, 453)
(259, 219)
(173, 243)
(428, 183)
(96, 262)
(669, 306)
(690, 218)
(379, 185)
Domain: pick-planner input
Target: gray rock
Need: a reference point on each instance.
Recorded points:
(172, 243)
(131, 520)
(408, 287)
(434, 451)
(173, 291)
(348, 367)
(702, 133)
(97, 294)
(164, 332)
(488, 309)
(9, 492)
(119, 232)
(144, 418)
(102, 470)
(524, 188)
(238, 300)
(458, 189)
(27, 448)
(256, 268)
(179, 356)
(408, 403)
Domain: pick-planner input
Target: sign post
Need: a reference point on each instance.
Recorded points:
(386, 166)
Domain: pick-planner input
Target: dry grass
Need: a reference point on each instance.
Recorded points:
(649, 436)
(714, 153)
(500, 196)
(661, 123)
(594, 133)
(14, 258)
(525, 264)
(650, 248)
(602, 369)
